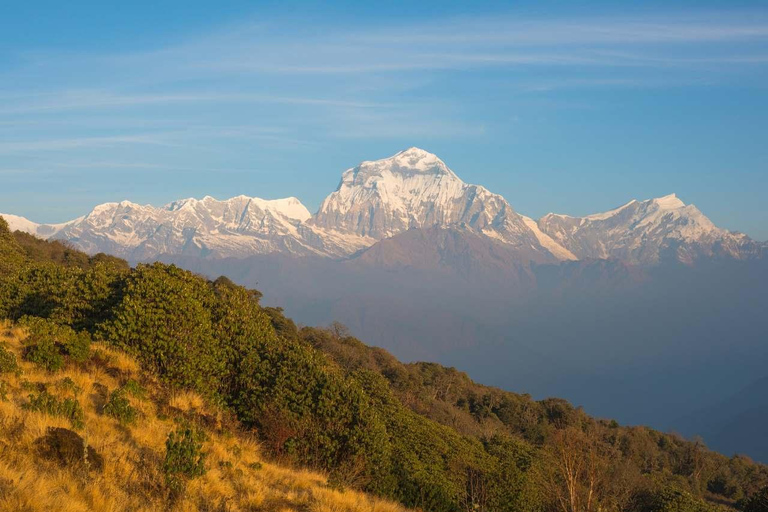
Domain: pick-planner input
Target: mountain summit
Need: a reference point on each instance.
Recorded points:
(383, 199)
(414, 189)
(647, 232)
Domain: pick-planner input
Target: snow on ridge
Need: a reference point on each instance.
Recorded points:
(610, 213)
(379, 199)
(548, 242)
(19, 223)
(289, 207)
(669, 202)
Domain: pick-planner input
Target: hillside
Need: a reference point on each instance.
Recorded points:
(125, 419)
(423, 435)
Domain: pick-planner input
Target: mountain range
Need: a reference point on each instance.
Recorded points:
(648, 313)
(386, 199)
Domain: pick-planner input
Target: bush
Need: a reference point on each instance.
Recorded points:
(45, 355)
(135, 389)
(69, 408)
(49, 342)
(758, 502)
(8, 363)
(183, 458)
(120, 408)
(669, 500)
(164, 319)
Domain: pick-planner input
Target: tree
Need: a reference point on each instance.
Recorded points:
(164, 318)
(758, 502)
(576, 472)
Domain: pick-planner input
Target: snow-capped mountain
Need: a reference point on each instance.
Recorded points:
(17, 223)
(237, 227)
(648, 232)
(385, 199)
(415, 189)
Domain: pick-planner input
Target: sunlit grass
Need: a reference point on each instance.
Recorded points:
(238, 477)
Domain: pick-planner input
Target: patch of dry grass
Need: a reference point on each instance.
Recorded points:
(238, 478)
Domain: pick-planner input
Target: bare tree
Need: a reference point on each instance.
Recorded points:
(576, 473)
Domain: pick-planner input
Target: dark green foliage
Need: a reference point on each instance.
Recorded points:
(758, 502)
(309, 411)
(11, 255)
(8, 362)
(670, 499)
(45, 354)
(510, 480)
(61, 253)
(67, 384)
(164, 318)
(283, 325)
(68, 408)
(183, 458)
(120, 408)
(134, 389)
(49, 342)
(54, 251)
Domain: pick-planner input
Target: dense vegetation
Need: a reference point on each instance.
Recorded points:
(422, 434)
(104, 435)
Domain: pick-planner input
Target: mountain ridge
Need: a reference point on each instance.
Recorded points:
(381, 199)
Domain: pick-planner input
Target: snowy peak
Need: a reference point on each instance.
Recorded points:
(381, 198)
(410, 161)
(647, 232)
(290, 207)
(240, 226)
(669, 202)
(414, 189)
(17, 223)
(410, 191)
(413, 172)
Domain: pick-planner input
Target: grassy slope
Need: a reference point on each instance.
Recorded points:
(238, 477)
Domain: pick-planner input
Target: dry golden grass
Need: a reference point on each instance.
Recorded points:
(238, 478)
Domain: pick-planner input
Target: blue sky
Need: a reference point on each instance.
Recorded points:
(573, 107)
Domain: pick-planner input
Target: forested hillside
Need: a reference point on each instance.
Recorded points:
(421, 434)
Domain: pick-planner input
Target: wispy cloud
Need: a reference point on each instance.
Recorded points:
(77, 143)
(99, 99)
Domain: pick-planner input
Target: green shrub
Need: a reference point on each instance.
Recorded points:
(183, 458)
(164, 319)
(669, 499)
(135, 389)
(69, 408)
(49, 342)
(8, 363)
(758, 502)
(77, 345)
(45, 355)
(68, 384)
(120, 408)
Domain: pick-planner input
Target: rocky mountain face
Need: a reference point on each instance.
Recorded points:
(415, 190)
(647, 232)
(383, 200)
(236, 227)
